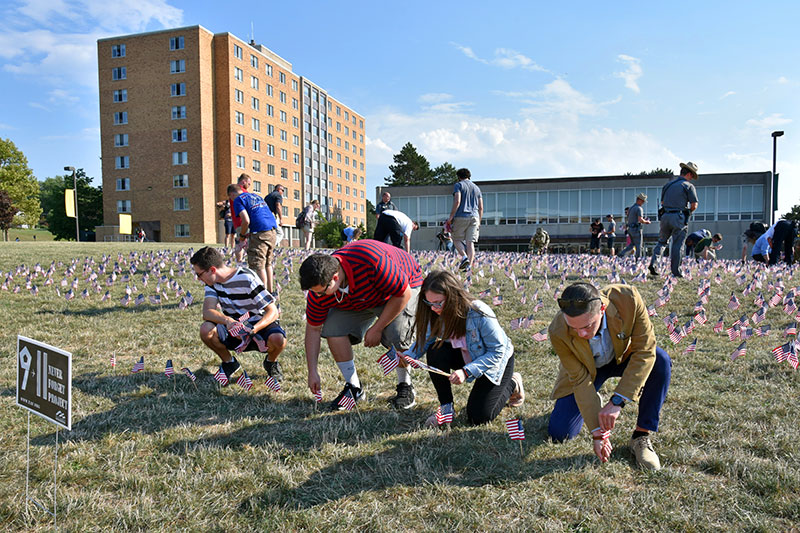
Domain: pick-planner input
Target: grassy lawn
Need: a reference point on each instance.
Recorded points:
(29, 234)
(149, 453)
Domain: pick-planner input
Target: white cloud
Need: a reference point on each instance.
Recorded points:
(783, 79)
(727, 94)
(37, 105)
(557, 98)
(377, 144)
(434, 98)
(631, 74)
(766, 123)
(504, 58)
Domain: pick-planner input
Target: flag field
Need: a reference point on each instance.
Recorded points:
(154, 453)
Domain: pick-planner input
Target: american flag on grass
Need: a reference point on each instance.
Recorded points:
(719, 326)
(497, 300)
(155, 300)
(791, 329)
(790, 307)
(692, 347)
(734, 332)
(347, 401)
(676, 335)
(651, 311)
(220, 376)
(739, 352)
(318, 396)
(763, 330)
(515, 429)
(138, 366)
(168, 369)
(106, 296)
(540, 336)
(388, 361)
(760, 301)
(444, 417)
(113, 360)
(272, 384)
(189, 373)
(759, 315)
(792, 358)
(689, 326)
(139, 300)
(701, 317)
(515, 324)
(782, 352)
(776, 299)
(244, 381)
(733, 303)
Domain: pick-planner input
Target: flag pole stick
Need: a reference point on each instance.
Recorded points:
(521, 454)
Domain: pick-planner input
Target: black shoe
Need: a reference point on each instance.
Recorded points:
(356, 392)
(464, 264)
(653, 271)
(230, 368)
(273, 369)
(406, 397)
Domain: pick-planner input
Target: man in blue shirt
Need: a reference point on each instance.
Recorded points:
(259, 224)
(465, 217)
(678, 200)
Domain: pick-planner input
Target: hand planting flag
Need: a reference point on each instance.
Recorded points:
(540, 336)
(138, 366)
(168, 370)
(739, 352)
(388, 361)
(318, 396)
(515, 429)
(189, 373)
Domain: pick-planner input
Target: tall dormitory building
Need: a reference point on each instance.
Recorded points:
(184, 112)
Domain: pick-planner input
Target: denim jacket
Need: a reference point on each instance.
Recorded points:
(488, 345)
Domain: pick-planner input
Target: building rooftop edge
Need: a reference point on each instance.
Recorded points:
(165, 30)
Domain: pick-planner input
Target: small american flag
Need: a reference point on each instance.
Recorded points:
(189, 373)
(515, 429)
(760, 301)
(411, 361)
(676, 335)
(182, 304)
(515, 324)
(272, 384)
(776, 299)
(789, 307)
(739, 352)
(155, 300)
(138, 366)
(388, 361)
(791, 329)
(318, 396)
(763, 330)
(497, 300)
(540, 336)
(651, 311)
(106, 296)
(734, 332)
(733, 304)
(792, 358)
(692, 347)
(69, 295)
(719, 326)
(782, 352)
(169, 370)
(759, 315)
(139, 299)
(347, 401)
(220, 377)
(113, 360)
(244, 381)
(701, 317)
(444, 417)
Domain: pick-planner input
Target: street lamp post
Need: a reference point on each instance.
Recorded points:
(75, 184)
(773, 183)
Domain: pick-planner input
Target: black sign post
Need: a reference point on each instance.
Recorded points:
(44, 387)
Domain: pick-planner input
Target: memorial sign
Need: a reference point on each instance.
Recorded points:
(44, 381)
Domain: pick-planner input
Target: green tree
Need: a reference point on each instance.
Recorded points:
(90, 205)
(793, 214)
(17, 179)
(330, 232)
(410, 168)
(444, 174)
(663, 172)
(372, 222)
(7, 212)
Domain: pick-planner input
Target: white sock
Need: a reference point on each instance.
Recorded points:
(348, 370)
(403, 375)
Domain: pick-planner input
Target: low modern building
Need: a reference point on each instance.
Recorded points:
(184, 112)
(565, 207)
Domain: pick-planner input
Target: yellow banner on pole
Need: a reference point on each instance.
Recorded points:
(69, 202)
(125, 224)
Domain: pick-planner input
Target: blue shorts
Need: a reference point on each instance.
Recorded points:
(232, 342)
(229, 227)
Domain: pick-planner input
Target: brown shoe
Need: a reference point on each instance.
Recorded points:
(518, 396)
(646, 457)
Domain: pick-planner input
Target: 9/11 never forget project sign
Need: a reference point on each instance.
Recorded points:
(44, 381)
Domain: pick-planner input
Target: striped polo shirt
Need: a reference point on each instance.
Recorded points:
(375, 272)
(243, 293)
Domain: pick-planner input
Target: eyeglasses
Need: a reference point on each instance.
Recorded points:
(321, 293)
(567, 303)
(436, 305)
(198, 275)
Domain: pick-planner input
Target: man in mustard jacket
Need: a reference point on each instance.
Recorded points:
(598, 335)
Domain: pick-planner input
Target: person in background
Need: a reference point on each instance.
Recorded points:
(461, 335)
(759, 245)
(258, 228)
(693, 238)
(225, 214)
(274, 201)
(596, 230)
(706, 248)
(633, 224)
(310, 222)
(610, 233)
(781, 237)
(539, 242)
(678, 202)
(445, 239)
(350, 234)
(465, 217)
(397, 227)
(386, 203)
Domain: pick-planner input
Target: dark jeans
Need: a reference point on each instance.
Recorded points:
(389, 227)
(486, 399)
(783, 241)
(566, 420)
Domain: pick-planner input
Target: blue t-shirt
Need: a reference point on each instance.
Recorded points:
(761, 246)
(470, 194)
(261, 218)
(348, 232)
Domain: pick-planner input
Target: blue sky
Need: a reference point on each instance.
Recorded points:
(511, 89)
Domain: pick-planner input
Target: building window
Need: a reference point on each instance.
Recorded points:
(176, 43)
(254, 82)
(295, 103)
(283, 97)
(177, 66)
(270, 130)
(119, 73)
(121, 139)
(180, 158)
(181, 230)
(282, 78)
(256, 145)
(180, 181)
(118, 50)
(270, 150)
(271, 170)
(255, 103)
(239, 140)
(257, 185)
(269, 89)
(296, 177)
(256, 124)
(296, 140)
(295, 122)
(178, 89)
(294, 85)
(253, 61)
(256, 166)
(122, 161)
(121, 95)
(238, 96)
(284, 173)
(178, 112)
(283, 116)
(284, 136)
(296, 158)
(240, 118)
(268, 69)
(240, 162)
(297, 194)
(180, 204)
(284, 154)
(123, 184)
(238, 74)
(179, 136)
(237, 51)
(123, 206)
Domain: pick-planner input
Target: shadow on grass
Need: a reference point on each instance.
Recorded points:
(472, 458)
(98, 311)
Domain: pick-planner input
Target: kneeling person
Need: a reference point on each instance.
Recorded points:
(230, 294)
(598, 335)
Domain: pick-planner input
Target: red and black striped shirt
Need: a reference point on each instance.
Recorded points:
(375, 272)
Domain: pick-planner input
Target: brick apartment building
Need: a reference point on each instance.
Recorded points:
(183, 112)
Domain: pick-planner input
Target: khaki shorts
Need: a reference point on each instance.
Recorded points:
(354, 324)
(259, 251)
(466, 229)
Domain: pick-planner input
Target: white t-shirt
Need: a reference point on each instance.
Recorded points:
(406, 224)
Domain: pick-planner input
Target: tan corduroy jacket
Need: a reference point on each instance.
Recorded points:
(634, 341)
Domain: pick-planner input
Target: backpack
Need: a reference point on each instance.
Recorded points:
(300, 220)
